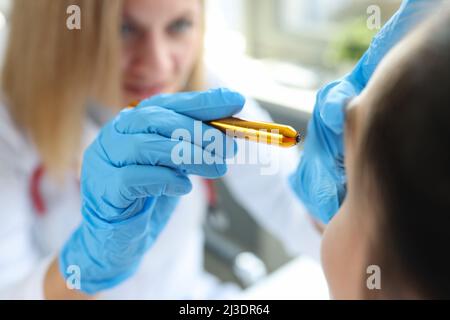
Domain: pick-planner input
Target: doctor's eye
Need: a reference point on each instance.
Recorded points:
(180, 26)
(128, 30)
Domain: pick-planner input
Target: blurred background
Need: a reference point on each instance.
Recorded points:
(278, 52)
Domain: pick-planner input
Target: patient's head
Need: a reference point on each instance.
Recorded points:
(397, 211)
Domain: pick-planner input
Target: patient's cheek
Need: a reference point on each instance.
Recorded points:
(340, 257)
(331, 254)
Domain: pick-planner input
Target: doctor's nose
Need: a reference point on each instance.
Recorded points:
(156, 57)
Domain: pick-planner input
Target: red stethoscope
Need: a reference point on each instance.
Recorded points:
(39, 203)
(35, 191)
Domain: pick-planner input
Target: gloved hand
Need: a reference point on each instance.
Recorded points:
(320, 180)
(130, 184)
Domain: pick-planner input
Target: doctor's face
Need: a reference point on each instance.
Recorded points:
(161, 41)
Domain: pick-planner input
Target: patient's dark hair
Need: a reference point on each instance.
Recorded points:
(406, 149)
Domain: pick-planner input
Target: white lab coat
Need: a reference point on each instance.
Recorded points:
(173, 267)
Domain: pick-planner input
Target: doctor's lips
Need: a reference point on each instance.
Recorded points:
(257, 131)
(144, 91)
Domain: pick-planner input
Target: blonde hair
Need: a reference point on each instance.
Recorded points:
(50, 72)
(196, 81)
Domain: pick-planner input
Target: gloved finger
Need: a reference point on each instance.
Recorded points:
(139, 181)
(160, 215)
(319, 183)
(156, 150)
(331, 101)
(321, 199)
(320, 180)
(205, 106)
(125, 191)
(168, 123)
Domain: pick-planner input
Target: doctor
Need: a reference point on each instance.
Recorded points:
(128, 234)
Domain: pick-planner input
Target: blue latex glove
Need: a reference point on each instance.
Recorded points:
(320, 180)
(130, 185)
